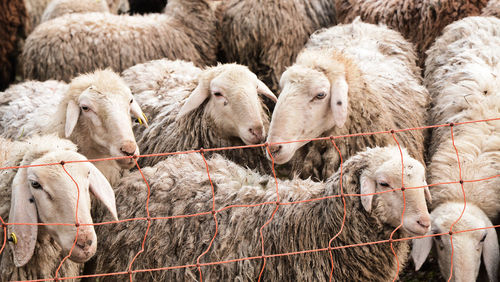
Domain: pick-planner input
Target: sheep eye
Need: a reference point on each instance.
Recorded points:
(320, 96)
(85, 108)
(131, 101)
(35, 185)
(384, 184)
(217, 94)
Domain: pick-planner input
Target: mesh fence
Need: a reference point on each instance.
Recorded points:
(214, 212)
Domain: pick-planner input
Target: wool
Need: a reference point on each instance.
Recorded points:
(419, 21)
(185, 31)
(179, 185)
(492, 9)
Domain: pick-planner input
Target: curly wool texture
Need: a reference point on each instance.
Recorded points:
(161, 87)
(463, 76)
(54, 50)
(492, 9)
(462, 71)
(57, 8)
(13, 27)
(385, 92)
(180, 185)
(267, 35)
(419, 21)
(48, 254)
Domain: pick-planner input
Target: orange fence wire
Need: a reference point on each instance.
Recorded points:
(214, 212)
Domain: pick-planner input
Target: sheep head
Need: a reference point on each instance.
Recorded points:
(313, 100)
(46, 194)
(232, 102)
(96, 115)
(467, 246)
(383, 173)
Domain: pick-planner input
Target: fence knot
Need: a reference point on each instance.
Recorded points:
(403, 189)
(134, 156)
(202, 150)
(451, 232)
(391, 241)
(451, 124)
(392, 131)
(62, 162)
(213, 212)
(148, 219)
(461, 181)
(77, 225)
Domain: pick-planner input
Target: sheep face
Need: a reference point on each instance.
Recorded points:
(306, 108)
(46, 194)
(467, 246)
(101, 111)
(232, 102)
(389, 206)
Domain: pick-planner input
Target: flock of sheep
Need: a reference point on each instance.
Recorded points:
(97, 84)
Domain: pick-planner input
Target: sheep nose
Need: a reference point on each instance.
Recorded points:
(84, 243)
(256, 131)
(424, 222)
(128, 148)
(275, 149)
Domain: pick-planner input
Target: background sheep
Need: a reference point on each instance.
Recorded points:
(185, 31)
(192, 108)
(93, 111)
(57, 8)
(492, 9)
(47, 194)
(13, 28)
(369, 65)
(462, 75)
(146, 6)
(181, 186)
(267, 35)
(419, 21)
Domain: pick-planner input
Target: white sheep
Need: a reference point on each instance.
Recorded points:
(348, 79)
(180, 185)
(191, 108)
(57, 8)
(93, 111)
(463, 77)
(46, 194)
(185, 31)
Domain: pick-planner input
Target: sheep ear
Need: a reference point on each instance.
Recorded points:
(420, 250)
(427, 194)
(72, 113)
(22, 210)
(197, 97)
(262, 89)
(135, 110)
(102, 190)
(491, 254)
(339, 101)
(367, 187)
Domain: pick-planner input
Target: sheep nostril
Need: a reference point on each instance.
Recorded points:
(89, 243)
(424, 223)
(275, 149)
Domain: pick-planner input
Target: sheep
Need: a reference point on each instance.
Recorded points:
(180, 185)
(185, 31)
(13, 28)
(93, 111)
(369, 65)
(462, 75)
(191, 108)
(420, 22)
(267, 35)
(146, 6)
(57, 8)
(45, 194)
(492, 9)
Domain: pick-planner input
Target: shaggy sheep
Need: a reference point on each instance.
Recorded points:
(492, 9)
(13, 28)
(57, 8)
(93, 111)
(267, 35)
(463, 77)
(369, 65)
(146, 6)
(192, 108)
(419, 21)
(45, 194)
(54, 50)
(180, 185)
